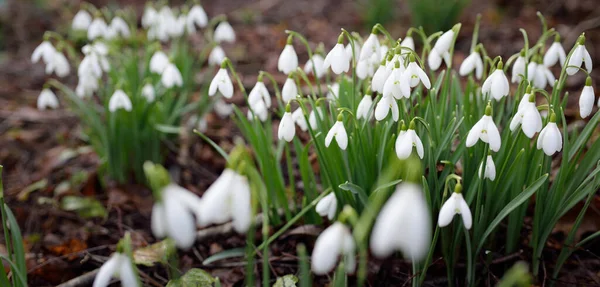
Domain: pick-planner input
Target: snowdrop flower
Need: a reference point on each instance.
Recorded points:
(119, 100)
(333, 91)
(177, 26)
(150, 17)
(362, 69)
(370, 47)
(317, 62)
(339, 132)
(222, 82)
(86, 86)
(496, 84)
(158, 62)
(383, 107)
(258, 108)
(47, 99)
(96, 53)
(81, 21)
(550, 138)
(528, 117)
(555, 53)
(364, 107)
(287, 128)
(118, 265)
(228, 199)
(472, 63)
(539, 75)
(408, 42)
(58, 65)
(440, 50)
(173, 216)
(456, 204)
(415, 74)
(379, 78)
(97, 29)
(337, 59)
(383, 50)
(222, 109)
(312, 118)
(404, 224)
(586, 99)
(518, 68)
(171, 77)
(406, 141)
(288, 60)
(148, 92)
(334, 241)
(327, 206)
(260, 93)
(356, 51)
(486, 131)
(289, 90)
(580, 55)
(397, 84)
(298, 117)
(216, 57)
(490, 169)
(196, 17)
(224, 33)
(44, 51)
(118, 27)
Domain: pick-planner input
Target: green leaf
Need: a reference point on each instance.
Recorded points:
(229, 253)
(193, 278)
(355, 189)
(387, 185)
(19, 252)
(85, 207)
(286, 281)
(156, 253)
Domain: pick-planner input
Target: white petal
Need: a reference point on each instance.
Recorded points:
(418, 144)
(289, 90)
(447, 212)
(586, 101)
(128, 276)
(403, 146)
(240, 205)
(587, 60)
(493, 136)
(468, 65)
(341, 137)
(287, 128)
(288, 60)
(107, 270)
(327, 249)
(181, 226)
(465, 212)
(474, 133)
(575, 60)
(434, 60)
(158, 220)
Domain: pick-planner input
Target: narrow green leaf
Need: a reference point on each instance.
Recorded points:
(225, 254)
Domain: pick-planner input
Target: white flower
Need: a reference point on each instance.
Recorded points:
(408, 42)
(171, 77)
(586, 99)
(406, 141)
(44, 51)
(397, 84)
(379, 78)
(47, 99)
(339, 132)
(118, 27)
(118, 265)
(119, 100)
(441, 50)
(327, 206)
(216, 57)
(362, 69)
(490, 169)
(260, 93)
(554, 54)
(404, 224)
(222, 108)
(529, 118)
(415, 74)
(289, 90)
(224, 33)
(356, 51)
(298, 117)
(496, 84)
(81, 21)
(364, 107)
(97, 29)
(383, 107)
(86, 86)
(550, 138)
(333, 91)
(383, 50)
(518, 69)
(174, 215)
(288, 60)
(228, 198)
(486, 131)
(370, 47)
(287, 128)
(59, 65)
(312, 118)
(456, 204)
(148, 93)
(177, 26)
(579, 56)
(317, 62)
(150, 17)
(196, 17)
(337, 59)
(539, 75)
(260, 110)
(472, 63)
(158, 62)
(334, 241)
(222, 82)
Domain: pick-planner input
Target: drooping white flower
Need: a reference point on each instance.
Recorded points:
(148, 92)
(317, 62)
(380, 77)
(333, 91)
(216, 57)
(356, 51)
(288, 60)
(472, 63)
(456, 204)
(312, 118)
(173, 216)
(158, 62)
(287, 128)
(383, 50)
(228, 198)
(550, 138)
(440, 50)
(298, 117)
(327, 206)
(490, 169)
(415, 74)
(81, 21)
(404, 224)
(485, 130)
(118, 28)
(86, 86)
(224, 33)
(539, 75)
(177, 26)
(496, 84)
(260, 110)
(59, 65)
(364, 107)
(96, 54)
(119, 265)
(586, 99)
(119, 100)
(383, 107)
(196, 17)
(554, 54)
(289, 90)
(406, 141)
(97, 29)
(528, 117)
(222, 109)
(221, 82)
(408, 42)
(518, 70)
(335, 241)
(397, 85)
(150, 17)
(339, 132)
(362, 69)
(337, 59)
(44, 51)
(47, 99)
(579, 56)
(260, 93)
(370, 47)
(164, 25)
(171, 77)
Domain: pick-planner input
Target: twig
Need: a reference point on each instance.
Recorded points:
(83, 280)
(224, 229)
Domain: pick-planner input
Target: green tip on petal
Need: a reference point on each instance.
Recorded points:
(340, 117)
(340, 38)
(390, 57)
(588, 81)
(488, 110)
(528, 90)
(458, 188)
(412, 125)
(397, 65)
(557, 38)
(500, 65)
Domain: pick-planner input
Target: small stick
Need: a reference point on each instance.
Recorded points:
(83, 280)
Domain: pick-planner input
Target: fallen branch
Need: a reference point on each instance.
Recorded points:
(83, 280)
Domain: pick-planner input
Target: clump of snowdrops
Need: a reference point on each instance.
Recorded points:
(135, 85)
